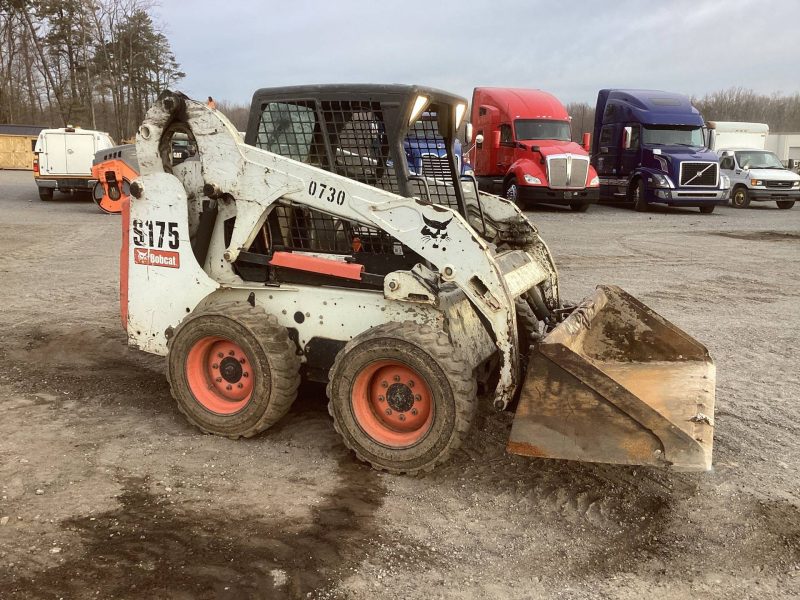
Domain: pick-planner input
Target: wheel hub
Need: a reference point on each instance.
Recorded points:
(400, 397)
(230, 369)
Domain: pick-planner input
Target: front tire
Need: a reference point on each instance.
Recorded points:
(232, 370)
(740, 198)
(785, 204)
(511, 192)
(637, 196)
(401, 397)
(579, 207)
(45, 194)
(707, 210)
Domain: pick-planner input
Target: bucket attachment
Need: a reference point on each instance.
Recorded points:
(617, 383)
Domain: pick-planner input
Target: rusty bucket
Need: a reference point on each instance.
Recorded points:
(617, 383)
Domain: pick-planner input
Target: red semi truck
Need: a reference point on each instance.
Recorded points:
(523, 149)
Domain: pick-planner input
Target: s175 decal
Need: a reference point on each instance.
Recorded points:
(155, 234)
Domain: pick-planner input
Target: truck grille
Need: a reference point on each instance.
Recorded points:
(436, 167)
(567, 171)
(780, 185)
(699, 174)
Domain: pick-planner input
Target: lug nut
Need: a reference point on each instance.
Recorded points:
(396, 378)
(381, 398)
(239, 385)
(215, 366)
(411, 383)
(414, 411)
(218, 380)
(231, 353)
(417, 397)
(220, 355)
(241, 360)
(384, 384)
(245, 374)
(388, 411)
(228, 387)
(402, 417)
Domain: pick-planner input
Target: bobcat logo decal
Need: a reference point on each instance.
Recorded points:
(435, 231)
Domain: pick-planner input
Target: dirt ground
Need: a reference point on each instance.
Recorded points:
(107, 492)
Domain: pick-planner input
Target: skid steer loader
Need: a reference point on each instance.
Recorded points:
(313, 250)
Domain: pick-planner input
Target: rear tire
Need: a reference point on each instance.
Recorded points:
(637, 196)
(233, 370)
(45, 194)
(579, 207)
(707, 210)
(785, 204)
(740, 197)
(428, 405)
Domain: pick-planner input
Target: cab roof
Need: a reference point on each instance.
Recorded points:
(650, 107)
(521, 103)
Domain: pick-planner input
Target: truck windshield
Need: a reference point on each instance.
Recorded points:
(542, 129)
(673, 135)
(757, 159)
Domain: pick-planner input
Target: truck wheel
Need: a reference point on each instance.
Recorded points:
(579, 206)
(401, 397)
(636, 194)
(740, 198)
(511, 191)
(785, 204)
(707, 210)
(233, 370)
(45, 194)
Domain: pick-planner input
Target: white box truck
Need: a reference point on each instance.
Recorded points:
(63, 159)
(756, 174)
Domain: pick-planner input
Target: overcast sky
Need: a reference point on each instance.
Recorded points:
(229, 48)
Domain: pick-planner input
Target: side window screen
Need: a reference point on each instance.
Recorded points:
(635, 134)
(505, 134)
(289, 129)
(606, 135)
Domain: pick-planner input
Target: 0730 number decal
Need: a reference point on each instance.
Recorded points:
(325, 192)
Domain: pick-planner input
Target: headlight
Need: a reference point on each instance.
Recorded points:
(532, 180)
(756, 182)
(796, 184)
(595, 182)
(724, 181)
(661, 181)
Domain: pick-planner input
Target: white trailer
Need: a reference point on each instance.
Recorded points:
(734, 134)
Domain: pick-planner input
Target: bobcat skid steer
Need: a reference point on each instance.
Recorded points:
(313, 250)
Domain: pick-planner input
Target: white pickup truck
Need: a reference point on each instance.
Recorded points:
(755, 173)
(63, 159)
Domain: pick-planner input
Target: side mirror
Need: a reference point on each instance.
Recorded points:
(791, 164)
(587, 141)
(627, 135)
(468, 132)
(479, 139)
(496, 139)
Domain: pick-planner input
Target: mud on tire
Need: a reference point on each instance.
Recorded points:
(399, 355)
(257, 360)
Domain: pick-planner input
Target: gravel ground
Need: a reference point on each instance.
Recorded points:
(107, 492)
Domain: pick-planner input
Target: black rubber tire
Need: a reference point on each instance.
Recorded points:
(527, 326)
(785, 204)
(740, 192)
(579, 207)
(271, 353)
(45, 194)
(450, 378)
(707, 210)
(636, 195)
(511, 191)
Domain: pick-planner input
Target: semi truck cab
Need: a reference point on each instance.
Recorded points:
(523, 149)
(650, 147)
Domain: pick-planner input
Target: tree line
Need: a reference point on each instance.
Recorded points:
(98, 64)
(780, 112)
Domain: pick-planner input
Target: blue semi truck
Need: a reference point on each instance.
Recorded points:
(652, 147)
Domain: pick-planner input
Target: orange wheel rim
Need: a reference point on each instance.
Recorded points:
(220, 375)
(392, 403)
